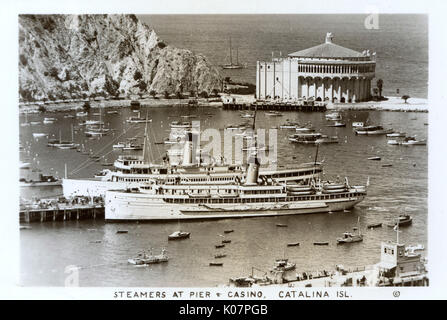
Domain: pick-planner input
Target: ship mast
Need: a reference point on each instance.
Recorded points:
(231, 58)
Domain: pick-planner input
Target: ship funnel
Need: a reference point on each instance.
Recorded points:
(252, 170)
(189, 157)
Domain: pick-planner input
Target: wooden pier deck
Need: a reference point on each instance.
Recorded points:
(61, 213)
(277, 106)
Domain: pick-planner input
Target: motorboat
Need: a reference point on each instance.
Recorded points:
(372, 130)
(178, 235)
(357, 124)
(411, 141)
(293, 244)
(145, 259)
(374, 225)
(283, 265)
(349, 237)
(220, 255)
(81, 114)
(376, 158)
(119, 145)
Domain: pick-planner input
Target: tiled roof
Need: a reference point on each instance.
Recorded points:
(327, 50)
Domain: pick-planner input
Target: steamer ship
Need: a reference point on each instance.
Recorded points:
(247, 194)
(132, 170)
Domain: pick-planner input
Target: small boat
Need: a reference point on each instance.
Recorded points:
(93, 122)
(81, 114)
(220, 255)
(226, 241)
(337, 124)
(35, 123)
(394, 142)
(372, 130)
(376, 158)
(283, 265)
(96, 241)
(119, 145)
(333, 116)
(49, 120)
(412, 249)
(145, 259)
(228, 231)
(122, 231)
(42, 182)
(293, 244)
(178, 235)
(218, 246)
(290, 125)
(281, 225)
(25, 228)
(132, 146)
(273, 114)
(112, 112)
(386, 165)
(321, 243)
(349, 237)
(357, 124)
(39, 134)
(396, 135)
(411, 141)
(374, 225)
(404, 220)
(247, 115)
(24, 165)
(138, 120)
(216, 264)
(69, 116)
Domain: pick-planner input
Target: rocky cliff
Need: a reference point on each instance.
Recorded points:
(79, 56)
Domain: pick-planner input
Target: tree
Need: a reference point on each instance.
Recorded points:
(179, 95)
(379, 84)
(215, 92)
(153, 93)
(166, 94)
(405, 98)
(203, 94)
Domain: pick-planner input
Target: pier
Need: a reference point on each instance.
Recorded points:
(53, 210)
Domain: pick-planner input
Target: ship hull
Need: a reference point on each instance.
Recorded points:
(121, 206)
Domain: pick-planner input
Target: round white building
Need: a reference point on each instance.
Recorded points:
(327, 72)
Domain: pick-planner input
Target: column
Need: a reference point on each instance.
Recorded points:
(324, 91)
(332, 90)
(308, 84)
(348, 90)
(274, 81)
(298, 88)
(265, 80)
(339, 89)
(315, 88)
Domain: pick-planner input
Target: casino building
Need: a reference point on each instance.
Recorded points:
(326, 72)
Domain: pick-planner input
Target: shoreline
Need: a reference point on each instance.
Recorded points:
(392, 104)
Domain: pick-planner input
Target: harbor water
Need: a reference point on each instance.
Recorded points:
(50, 249)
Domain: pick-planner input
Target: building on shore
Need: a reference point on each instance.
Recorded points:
(326, 72)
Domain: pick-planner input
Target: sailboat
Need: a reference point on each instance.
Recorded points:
(66, 144)
(96, 129)
(232, 65)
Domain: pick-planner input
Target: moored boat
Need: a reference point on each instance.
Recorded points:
(177, 235)
(372, 130)
(148, 258)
